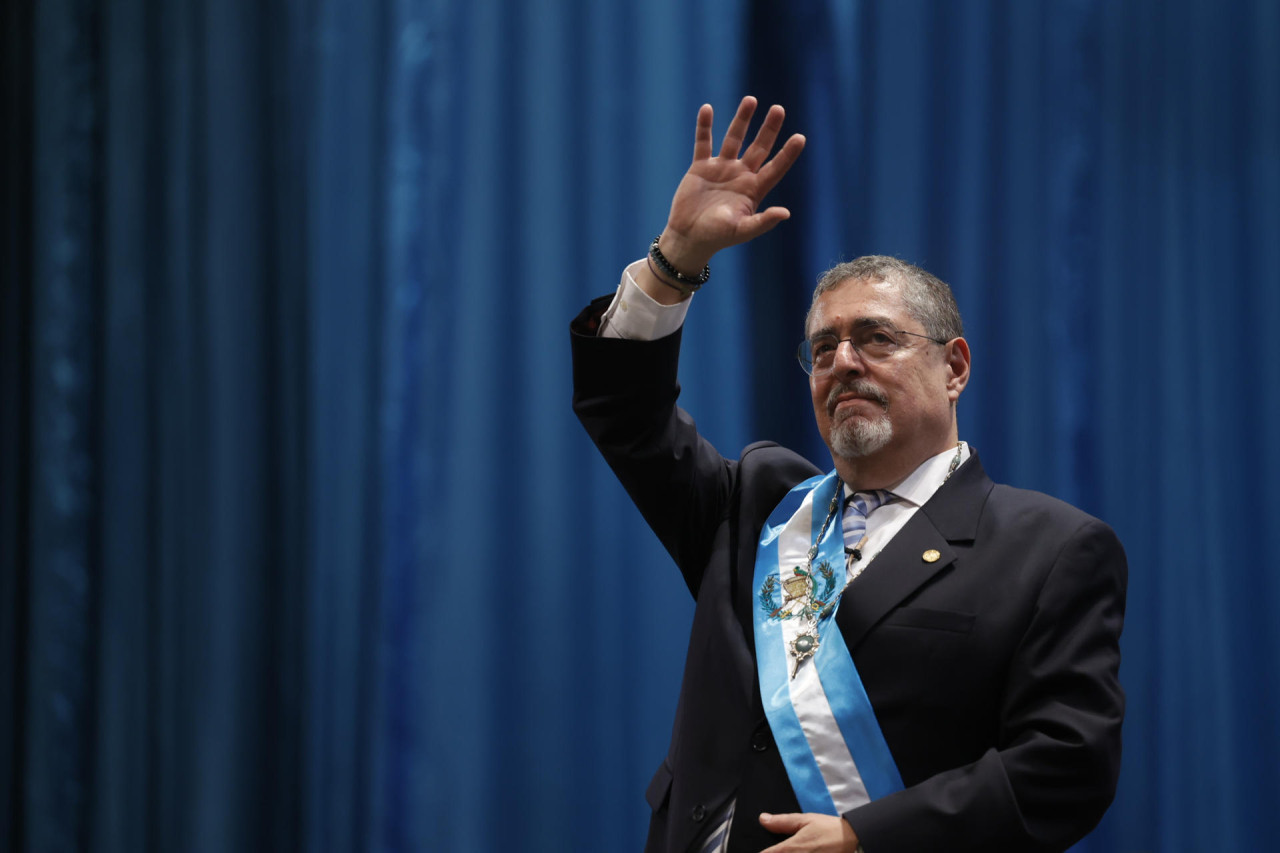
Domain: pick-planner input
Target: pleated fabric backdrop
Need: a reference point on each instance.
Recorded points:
(301, 547)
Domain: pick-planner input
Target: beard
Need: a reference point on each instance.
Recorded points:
(854, 436)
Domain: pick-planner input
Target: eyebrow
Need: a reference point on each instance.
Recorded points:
(859, 323)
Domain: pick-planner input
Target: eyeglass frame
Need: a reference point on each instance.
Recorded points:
(807, 365)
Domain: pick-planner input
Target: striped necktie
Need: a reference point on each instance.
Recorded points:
(858, 507)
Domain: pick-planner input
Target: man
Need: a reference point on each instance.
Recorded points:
(898, 655)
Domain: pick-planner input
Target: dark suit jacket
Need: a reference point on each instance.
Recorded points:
(993, 671)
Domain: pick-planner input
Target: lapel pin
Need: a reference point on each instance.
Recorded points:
(931, 556)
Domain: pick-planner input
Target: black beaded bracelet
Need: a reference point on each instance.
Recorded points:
(683, 291)
(665, 266)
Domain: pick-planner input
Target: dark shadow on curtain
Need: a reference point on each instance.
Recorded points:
(303, 547)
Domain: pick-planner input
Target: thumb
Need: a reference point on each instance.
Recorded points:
(759, 223)
(783, 824)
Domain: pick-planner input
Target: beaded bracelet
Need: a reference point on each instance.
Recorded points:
(683, 291)
(663, 264)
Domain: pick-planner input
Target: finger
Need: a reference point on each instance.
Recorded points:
(738, 128)
(770, 173)
(782, 824)
(760, 147)
(702, 133)
(765, 220)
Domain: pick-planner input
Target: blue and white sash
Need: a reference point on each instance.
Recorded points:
(822, 721)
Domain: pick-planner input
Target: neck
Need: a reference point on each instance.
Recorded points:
(884, 470)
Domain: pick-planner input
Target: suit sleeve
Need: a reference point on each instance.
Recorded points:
(1052, 773)
(625, 396)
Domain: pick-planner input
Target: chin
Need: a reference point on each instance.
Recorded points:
(856, 438)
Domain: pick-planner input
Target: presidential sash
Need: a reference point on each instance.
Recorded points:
(822, 721)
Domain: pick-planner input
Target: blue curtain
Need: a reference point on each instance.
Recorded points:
(300, 546)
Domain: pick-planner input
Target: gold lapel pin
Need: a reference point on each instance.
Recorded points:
(931, 556)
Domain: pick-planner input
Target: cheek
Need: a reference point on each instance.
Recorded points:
(818, 392)
(922, 397)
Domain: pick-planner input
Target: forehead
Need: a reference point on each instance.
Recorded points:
(856, 300)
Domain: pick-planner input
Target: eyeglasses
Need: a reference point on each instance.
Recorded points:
(873, 342)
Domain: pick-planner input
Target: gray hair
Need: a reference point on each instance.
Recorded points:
(927, 297)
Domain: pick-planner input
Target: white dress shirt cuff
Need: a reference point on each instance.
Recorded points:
(637, 316)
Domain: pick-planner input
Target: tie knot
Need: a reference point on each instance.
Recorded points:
(865, 503)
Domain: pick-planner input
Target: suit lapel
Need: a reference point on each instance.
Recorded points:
(950, 516)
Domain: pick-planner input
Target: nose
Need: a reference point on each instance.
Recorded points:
(848, 360)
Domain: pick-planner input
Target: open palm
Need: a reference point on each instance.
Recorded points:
(716, 204)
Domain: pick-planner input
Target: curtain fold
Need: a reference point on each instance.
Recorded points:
(302, 547)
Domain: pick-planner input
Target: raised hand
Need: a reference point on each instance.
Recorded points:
(716, 204)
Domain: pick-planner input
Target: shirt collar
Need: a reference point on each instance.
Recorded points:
(918, 486)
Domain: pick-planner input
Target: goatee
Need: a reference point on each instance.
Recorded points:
(854, 437)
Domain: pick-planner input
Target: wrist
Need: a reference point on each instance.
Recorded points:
(687, 257)
(669, 274)
(655, 286)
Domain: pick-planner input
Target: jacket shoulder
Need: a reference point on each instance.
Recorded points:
(769, 466)
(1031, 507)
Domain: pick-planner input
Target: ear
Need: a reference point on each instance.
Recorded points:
(957, 361)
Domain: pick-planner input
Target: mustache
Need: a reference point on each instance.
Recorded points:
(858, 388)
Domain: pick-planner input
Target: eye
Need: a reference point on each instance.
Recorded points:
(822, 346)
(877, 341)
